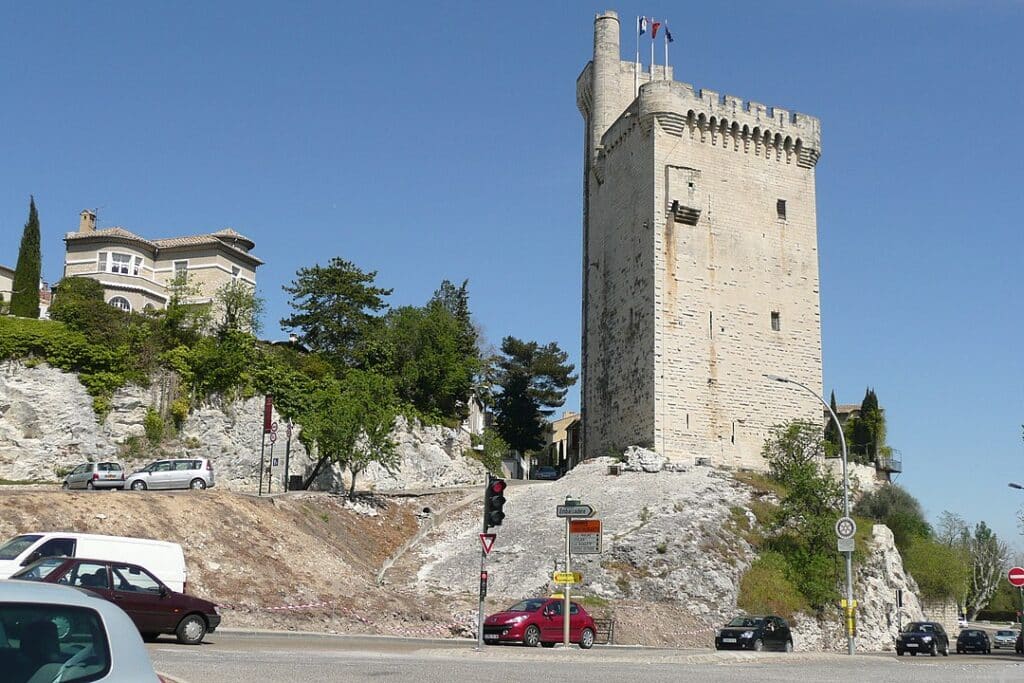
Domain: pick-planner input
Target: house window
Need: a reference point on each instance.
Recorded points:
(180, 269)
(234, 272)
(780, 208)
(137, 265)
(776, 321)
(122, 303)
(120, 263)
(101, 262)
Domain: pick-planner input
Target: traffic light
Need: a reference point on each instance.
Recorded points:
(494, 500)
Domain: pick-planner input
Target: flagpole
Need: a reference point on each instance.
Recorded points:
(665, 73)
(636, 65)
(654, 25)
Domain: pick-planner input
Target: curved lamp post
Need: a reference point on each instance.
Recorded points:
(850, 639)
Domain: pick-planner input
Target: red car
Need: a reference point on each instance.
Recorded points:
(539, 620)
(153, 607)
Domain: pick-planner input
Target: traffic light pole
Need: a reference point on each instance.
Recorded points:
(483, 558)
(565, 589)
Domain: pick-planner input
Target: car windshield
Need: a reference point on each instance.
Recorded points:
(531, 605)
(919, 627)
(16, 546)
(1005, 633)
(40, 569)
(53, 643)
(748, 622)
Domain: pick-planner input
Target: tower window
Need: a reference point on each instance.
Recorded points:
(780, 208)
(776, 321)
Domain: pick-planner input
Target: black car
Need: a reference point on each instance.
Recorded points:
(973, 640)
(923, 636)
(755, 633)
(1018, 647)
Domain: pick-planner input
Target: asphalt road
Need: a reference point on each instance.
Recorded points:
(266, 657)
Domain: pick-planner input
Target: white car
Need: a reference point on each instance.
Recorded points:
(53, 633)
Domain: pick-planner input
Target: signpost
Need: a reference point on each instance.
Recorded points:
(573, 510)
(567, 577)
(582, 536)
(585, 536)
(487, 541)
(1016, 578)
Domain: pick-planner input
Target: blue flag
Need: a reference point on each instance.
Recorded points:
(668, 34)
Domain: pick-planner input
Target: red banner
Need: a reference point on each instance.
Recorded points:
(268, 410)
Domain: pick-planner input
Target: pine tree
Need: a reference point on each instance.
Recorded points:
(25, 297)
(833, 447)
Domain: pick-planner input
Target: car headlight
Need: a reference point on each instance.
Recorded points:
(926, 639)
(516, 620)
(747, 634)
(216, 609)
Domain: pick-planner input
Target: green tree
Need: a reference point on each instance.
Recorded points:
(333, 307)
(867, 431)
(895, 507)
(989, 558)
(239, 308)
(25, 287)
(811, 503)
(940, 570)
(455, 300)
(833, 445)
(427, 357)
(534, 380)
(183, 322)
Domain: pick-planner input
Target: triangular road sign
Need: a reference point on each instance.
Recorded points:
(487, 541)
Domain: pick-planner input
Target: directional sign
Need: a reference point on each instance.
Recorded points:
(1016, 576)
(585, 536)
(487, 541)
(567, 577)
(574, 511)
(846, 527)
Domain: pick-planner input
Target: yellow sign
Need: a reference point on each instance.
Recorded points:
(568, 577)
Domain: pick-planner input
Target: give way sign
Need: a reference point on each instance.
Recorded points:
(1016, 576)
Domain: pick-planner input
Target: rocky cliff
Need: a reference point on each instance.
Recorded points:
(47, 425)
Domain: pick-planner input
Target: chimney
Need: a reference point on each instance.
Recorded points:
(87, 221)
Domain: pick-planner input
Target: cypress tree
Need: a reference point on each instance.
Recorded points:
(25, 297)
(833, 447)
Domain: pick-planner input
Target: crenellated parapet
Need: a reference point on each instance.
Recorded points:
(724, 121)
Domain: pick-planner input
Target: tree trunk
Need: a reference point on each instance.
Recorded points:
(352, 487)
(316, 471)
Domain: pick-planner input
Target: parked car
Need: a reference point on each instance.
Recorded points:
(755, 633)
(545, 472)
(153, 606)
(179, 473)
(95, 475)
(961, 622)
(1018, 647)
(973, 640)
(539, 620)
(923, 636)
(55, 633)
(1004, 638)
(163, 558)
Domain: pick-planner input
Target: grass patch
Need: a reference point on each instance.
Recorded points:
(22, 482)
(761, 483)
(765, 589)
(595, 602)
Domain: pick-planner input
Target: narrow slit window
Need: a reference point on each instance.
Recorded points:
(711, 325)
(776, 321)
(780, 208)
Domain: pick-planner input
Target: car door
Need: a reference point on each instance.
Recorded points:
(182, 474)
(140, 594)
(784, 634)
(575, 621)
(54, 547)
(551, 622)
(79, 476)
(161, 475)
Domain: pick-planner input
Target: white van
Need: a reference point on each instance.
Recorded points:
(165, 559)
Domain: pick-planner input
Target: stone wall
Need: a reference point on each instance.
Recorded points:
(47, 425)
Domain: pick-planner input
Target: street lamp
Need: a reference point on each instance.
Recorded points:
(1012, 485)
(850, 640)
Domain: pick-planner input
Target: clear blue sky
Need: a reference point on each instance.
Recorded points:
(441, 140)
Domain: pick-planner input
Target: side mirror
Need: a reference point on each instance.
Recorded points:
(164, 592)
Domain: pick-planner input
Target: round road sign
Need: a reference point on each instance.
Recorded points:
(1016, 576)
(846, 527)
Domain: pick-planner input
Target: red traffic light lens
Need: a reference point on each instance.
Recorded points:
(498, 485)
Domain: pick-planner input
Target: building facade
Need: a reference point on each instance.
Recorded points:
(137, 273)
(700, 264)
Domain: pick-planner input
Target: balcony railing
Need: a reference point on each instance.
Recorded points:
(889, 463)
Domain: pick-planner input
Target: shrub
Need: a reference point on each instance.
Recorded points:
(940, 571)
(766, 588)
(179, 412)
(154, 426)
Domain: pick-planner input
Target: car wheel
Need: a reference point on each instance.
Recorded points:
(547, 644)
(138, 485)
(586, 639)
(913, 653)
(191, 630)
(89, 485)
(532, 637)
(65, 486)
(959, 651)
(758, 645)
(934, 651)
(899, 653)
(197, 484)
(945, 650)
(789, 646)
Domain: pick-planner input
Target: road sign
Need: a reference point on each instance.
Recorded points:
(585, 536)
(567, 577)
(1016, 576)
(487, 541)
(846, 527)
(574, 511)
(845, 545)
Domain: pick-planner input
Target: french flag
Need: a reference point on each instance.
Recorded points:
(641, 23)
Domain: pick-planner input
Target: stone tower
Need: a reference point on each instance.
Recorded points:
(700, 264)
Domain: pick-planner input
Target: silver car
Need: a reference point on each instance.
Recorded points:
(1004, 638)
(57, 633)
(95, 475)
(178, 473)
